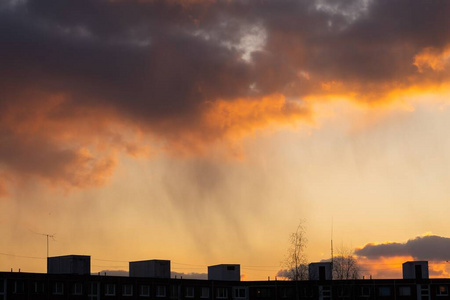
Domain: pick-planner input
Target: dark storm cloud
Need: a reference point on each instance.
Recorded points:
(421, 248)
(159, 65)
(121, 54)
(373, 49)
(149, 59)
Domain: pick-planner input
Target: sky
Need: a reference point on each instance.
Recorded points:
(205, 131)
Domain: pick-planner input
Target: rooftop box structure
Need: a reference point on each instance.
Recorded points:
(415, 270)
(69, 264)
(320, 271)
(154, 268)
(225, 272)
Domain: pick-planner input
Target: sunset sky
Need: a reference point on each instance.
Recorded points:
(204, 131)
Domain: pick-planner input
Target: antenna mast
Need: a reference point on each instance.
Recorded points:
(51, 236)
(332, 256)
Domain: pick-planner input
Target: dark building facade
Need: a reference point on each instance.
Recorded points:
(21, 286)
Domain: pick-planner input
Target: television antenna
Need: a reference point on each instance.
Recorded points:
(47, 235)
(52, 236)
(332, 254)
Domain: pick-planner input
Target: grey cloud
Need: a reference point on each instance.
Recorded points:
(421, 248)
(189, 275)
(284, 273)
(122, 273)
(173, 274)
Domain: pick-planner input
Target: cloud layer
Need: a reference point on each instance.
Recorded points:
(83, 81)
(430, 247)
(172, 274)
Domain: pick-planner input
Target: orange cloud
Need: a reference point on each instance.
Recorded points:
(439, 269)
(88, 139)
(226, 122)
(383, 267)
(80, 143)
(47, 137)
(76, 146)
(385, 259)
(87, 170)
(391, 267)
(432, 58)
(239, 117)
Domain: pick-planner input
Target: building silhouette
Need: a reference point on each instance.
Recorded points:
(68, 277)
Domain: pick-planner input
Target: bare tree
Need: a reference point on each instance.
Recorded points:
(295, 262)
(345, 265)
